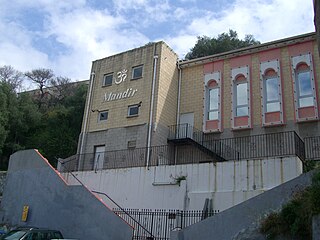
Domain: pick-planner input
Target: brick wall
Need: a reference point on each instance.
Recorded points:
(192, 92)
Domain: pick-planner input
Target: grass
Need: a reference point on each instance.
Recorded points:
(295, 218)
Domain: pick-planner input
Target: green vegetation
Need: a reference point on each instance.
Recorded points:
(49, 121)
(206, 46)
(295, 218)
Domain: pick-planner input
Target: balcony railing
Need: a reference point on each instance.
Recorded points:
(312, 148)
(241, 148)
(248, 147)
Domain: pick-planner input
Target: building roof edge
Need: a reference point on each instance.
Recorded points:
(249, 50)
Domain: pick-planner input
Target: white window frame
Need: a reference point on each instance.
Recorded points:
(237, 105)
(213, 76)
(235, 73)
(264, 67)
(299, 96)
(133, 71)
(209, 100)
(100, 114)
(295, 62)
(104, 79)
(131, 107)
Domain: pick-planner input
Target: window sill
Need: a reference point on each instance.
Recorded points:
(273, 124)
(241, 128)
(109, 85)
(206, 131)
(133, 79)
(133, 116)
(308, 119)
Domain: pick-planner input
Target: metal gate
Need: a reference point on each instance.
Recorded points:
(160, 222)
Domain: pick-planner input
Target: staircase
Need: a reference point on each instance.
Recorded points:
(186, 134)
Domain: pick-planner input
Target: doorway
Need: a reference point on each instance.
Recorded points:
(98, 157)
(185, 129)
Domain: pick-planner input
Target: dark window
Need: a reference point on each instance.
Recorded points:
(137, 72)
(107, 79)
(133, 110)
(132, 144)
(103, 116)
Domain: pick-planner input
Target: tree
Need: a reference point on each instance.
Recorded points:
(42, 77)
(206, 46)
(51, 126)
(62, 87)
(11, 76)
(4, 113)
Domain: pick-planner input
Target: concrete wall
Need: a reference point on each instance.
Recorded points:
(232, 223)
(73, 210)
(226, 183)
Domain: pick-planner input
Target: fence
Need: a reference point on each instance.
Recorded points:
(312, 148)
(160, 222)
(240, 148)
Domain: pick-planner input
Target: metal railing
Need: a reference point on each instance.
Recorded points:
(247, 147)
(240, 148)
(161, 222)
(125, 215)
(312, 147)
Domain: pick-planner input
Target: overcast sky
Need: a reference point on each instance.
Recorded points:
(67, 35)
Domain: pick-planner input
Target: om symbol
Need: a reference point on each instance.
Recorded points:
(121, 76)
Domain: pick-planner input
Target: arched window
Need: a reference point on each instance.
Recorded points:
(213, 100)
(242, 100)
(271, 91)
(241, 114)
(304, 84)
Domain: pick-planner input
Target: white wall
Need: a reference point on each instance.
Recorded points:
(227, 183)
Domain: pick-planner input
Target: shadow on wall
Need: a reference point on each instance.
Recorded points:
(74, 210)
(246, 216)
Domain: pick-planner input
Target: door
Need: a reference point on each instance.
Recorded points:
(98, 157)
(185, 129)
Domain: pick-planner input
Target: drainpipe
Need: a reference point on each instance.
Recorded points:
(179, 93)
(155, 59)
(178, 109)
(86, 118)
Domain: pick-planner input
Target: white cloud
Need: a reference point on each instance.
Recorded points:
(88, 34)
(181, 44)
(266, 20)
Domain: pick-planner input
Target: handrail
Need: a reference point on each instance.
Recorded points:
(238, 148)
(122, 209)
(102, 193)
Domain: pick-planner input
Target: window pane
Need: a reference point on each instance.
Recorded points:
(107, 80)
(214, 115)
(242, 111)
(272, 89)
(304, 82)
(137, 72)
(103, 116)
(213, 98)
(242, 94)
(273, 107)
(306, 102)
(133, 110)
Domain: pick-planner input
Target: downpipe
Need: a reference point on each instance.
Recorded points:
(86, 119)
(155, 60)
